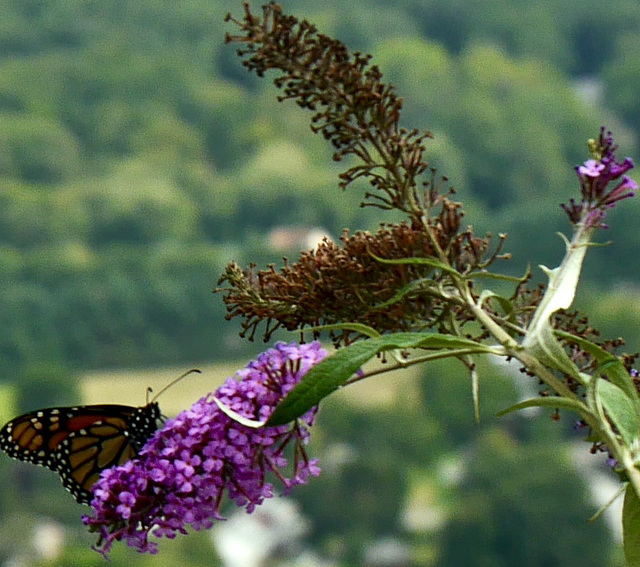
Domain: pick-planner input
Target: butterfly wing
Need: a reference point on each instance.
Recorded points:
(34, 437)
(80, 442)
(112, 440)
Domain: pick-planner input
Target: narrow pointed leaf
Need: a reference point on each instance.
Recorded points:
(335, 370)
(620, 409)
(609, 365)
(238, 417)
(355, 327)
(560, 292)
(410, 287)
(432, 262)
(548, 350)
(631, 527)
(505, 304)
(491, 276)
(475, 393)
(551, 402)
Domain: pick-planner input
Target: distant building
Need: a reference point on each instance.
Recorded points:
(287, 238)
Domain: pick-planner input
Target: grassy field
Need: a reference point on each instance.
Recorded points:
(130, 386)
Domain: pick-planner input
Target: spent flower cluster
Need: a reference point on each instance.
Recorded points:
(354, 110)
(392, 280)
(359, 282)
(181, 475)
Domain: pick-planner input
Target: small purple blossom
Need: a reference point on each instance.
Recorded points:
(591, 168)
(182, 474)
(596, 176)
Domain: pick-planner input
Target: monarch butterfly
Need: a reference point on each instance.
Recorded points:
(80, 442)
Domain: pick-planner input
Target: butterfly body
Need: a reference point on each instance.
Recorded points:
(80, 442)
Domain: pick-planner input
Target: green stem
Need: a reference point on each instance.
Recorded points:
(455, 353)
(632, 471)
(605, 433)
(515, 350)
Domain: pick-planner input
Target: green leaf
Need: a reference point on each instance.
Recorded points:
(492, 276)
(335, 370)
(505, 304)
(618, 406)
(475, 393)
(620, 409)
(563, 281)
(432, 262)
(356, 327)
(608, 364)
(550, 402)
(631, 527)
(544, 346)
(411, 286)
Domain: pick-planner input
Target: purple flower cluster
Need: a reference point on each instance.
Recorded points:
(595, 178)
(181, 475)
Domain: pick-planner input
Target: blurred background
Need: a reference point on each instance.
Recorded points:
(137, 158)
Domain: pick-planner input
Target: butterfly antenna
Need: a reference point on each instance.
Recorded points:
(171, 384)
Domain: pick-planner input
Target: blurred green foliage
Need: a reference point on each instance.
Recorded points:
(504, 492)
(522, 504)
(137, 157)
